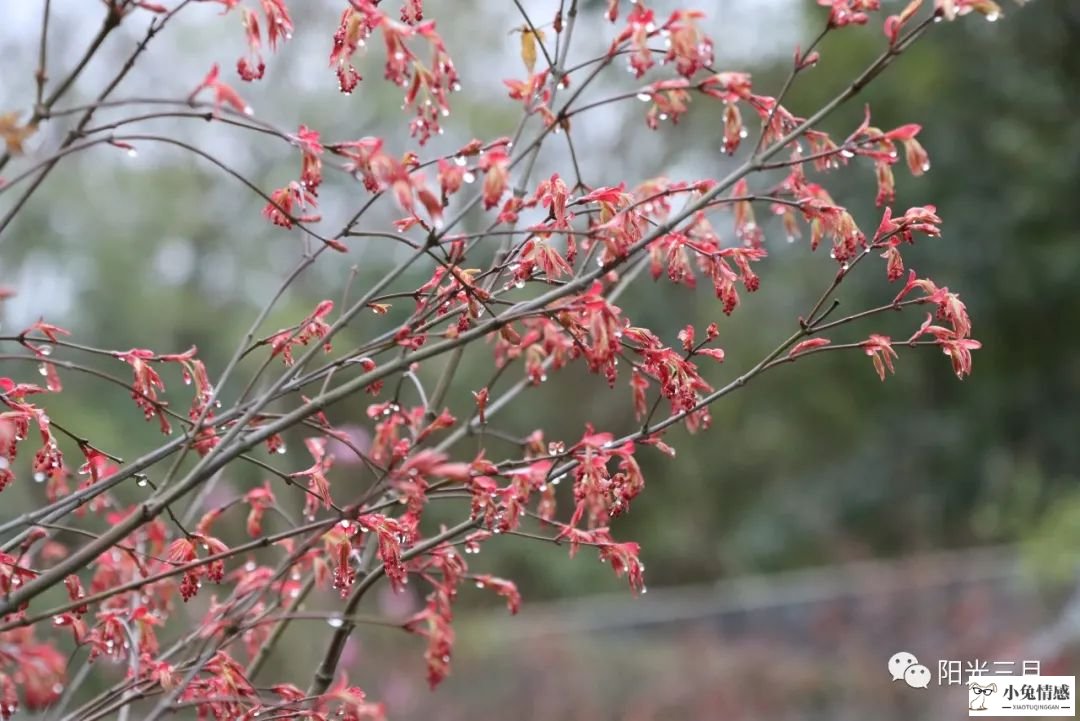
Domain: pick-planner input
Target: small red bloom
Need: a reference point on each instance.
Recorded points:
(223, 94)
(281, 210)
(311, 163)
(506, 589)
(879, 348)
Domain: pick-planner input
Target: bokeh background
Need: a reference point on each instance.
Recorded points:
(825, 521)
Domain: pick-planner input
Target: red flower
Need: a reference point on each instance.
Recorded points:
(252, 67)
(894, 24)
(808, 344)
(640, 26)
(433, 623)
(354, 28)
(146, 384)
(259, 499)
(624, 560)
(311, 328)
(849, 12)
(952, 344)
(223, 94)
(690, 49)
(279, 25)
(318, 485)
(311, 163)
(879, 348)
(506, 589)
(339, 549)
(391, 534)
(412, 11)
(496, 166)
(283, 203)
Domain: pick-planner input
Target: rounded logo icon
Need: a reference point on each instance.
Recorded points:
(917, 676)
(899, 663)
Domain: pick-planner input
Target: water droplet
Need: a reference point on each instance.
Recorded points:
(992, 17)
(445, 112)
(663, 116)
(456, 87)
(479, 584)
(743, 132)
(43, 369)
(39, 477)
(45, 349)
(4, 463)
(468, 177)
(132, 153)
(644, 97)
(926, 166)
(248, 110)
(847, 154)
(58, 621)
(791, 239)
(142, 482)
(249, 566)
(335, 622)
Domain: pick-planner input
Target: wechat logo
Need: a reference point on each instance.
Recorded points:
(903, 666)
